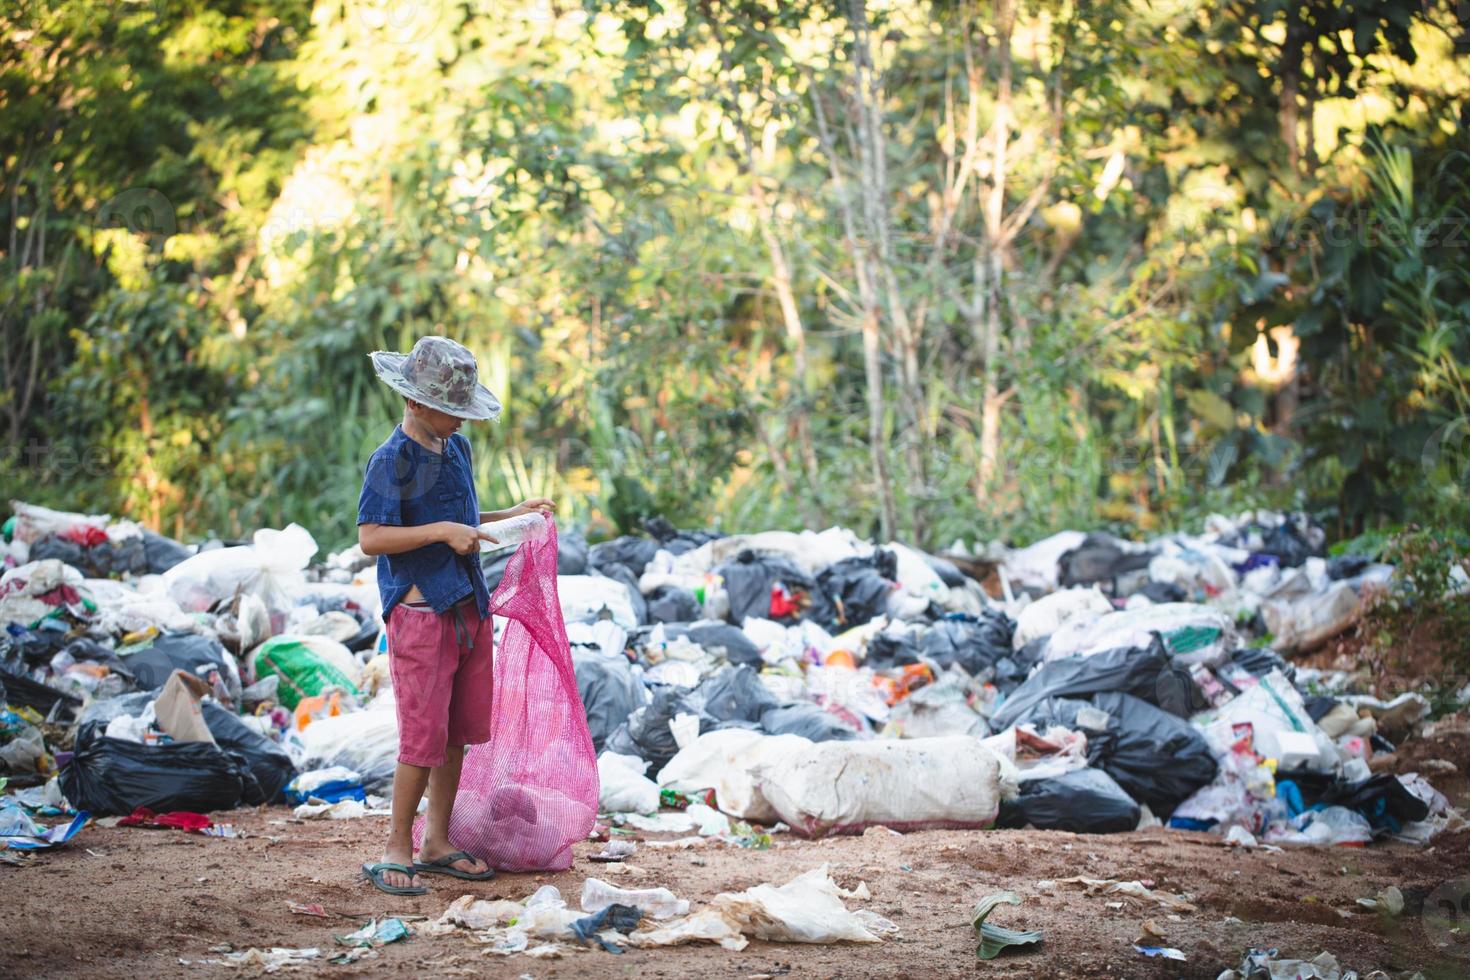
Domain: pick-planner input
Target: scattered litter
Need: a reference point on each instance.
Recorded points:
(993, 938)
(1161, 952)
(1133, 889)
(378, 932)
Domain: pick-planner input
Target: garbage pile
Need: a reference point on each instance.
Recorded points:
(812, 679)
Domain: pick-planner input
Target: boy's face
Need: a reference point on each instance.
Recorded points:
(442, 424)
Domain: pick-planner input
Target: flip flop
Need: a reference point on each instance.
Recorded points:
(374, 874)
(444, 866)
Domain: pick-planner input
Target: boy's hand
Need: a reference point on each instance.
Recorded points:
(465, 540)
(535, 505)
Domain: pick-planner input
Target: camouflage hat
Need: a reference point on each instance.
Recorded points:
(441, 374)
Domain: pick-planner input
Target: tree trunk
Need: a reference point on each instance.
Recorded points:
(994, 260)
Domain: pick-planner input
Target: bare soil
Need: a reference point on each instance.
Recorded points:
(122, 902)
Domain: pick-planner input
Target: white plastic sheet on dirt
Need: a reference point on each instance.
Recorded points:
(807, 909)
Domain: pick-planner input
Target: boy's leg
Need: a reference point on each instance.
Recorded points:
(443, 785)
(420, 659)
(408, 788)
(469, 724)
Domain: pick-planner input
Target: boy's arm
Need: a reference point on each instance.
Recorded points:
(387, 539)
(535, 504)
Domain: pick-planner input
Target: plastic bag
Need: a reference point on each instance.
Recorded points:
(531, 792)
(1049, 613)
(1310, 621)
(112, 777)
(671, 604)
(270, 568)
(588, 598)
(807, 720)
(200, 655)
(266, 761)
(364, 741)
(807, 909)
(1085, 801)
(646, 733)
(609, 691)
(976, 644)
(1159, 759)
(935, 709)
(306, 665)
(909, 784)
(1144, 672)
(735, 694)
(625, 789)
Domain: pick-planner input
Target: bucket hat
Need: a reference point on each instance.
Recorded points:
(441, 374)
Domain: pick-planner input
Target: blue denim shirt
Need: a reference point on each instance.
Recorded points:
(406, 485)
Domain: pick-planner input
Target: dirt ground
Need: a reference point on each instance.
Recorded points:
(122, 902)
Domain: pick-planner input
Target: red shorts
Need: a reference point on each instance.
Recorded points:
(442, 685)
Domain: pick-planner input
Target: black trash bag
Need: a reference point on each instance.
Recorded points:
(807, 720)
(895, 649)
(98, 561)
(858, 588)
(1260, 661)
(192, 653)
(671, 604)
(23, 692)
(1158, 758)
(976, 643)
(571, 552)
(750, 578)
(268, 764)
(1318, 705)
(1099, 560)
(1285, 541)
(948, 572)
(1084, 801)
(646, 733)
(162, 553)
(113, 777)
(1347, 566)
(1144, 672)
(610, 693)
(1383, 801)
(719, 640)
(1162, 592)
(631, 552)
(675, 541)
(92, 650)
(735, 694)
(32, 647)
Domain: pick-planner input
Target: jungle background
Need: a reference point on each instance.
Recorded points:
(932, 270)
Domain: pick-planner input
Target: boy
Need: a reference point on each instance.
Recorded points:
(418, 513)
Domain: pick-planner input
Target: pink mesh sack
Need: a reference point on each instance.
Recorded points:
(530, 792)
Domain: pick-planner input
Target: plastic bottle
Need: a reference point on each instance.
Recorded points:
(659, 903)
(510, 532)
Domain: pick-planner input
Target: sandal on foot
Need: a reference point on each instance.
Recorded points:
(374, 874)
(445, 866)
